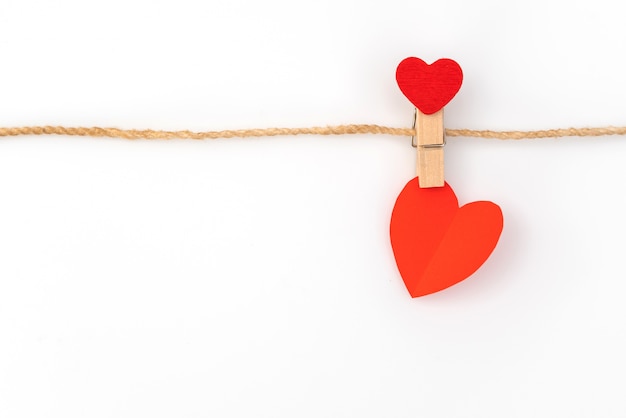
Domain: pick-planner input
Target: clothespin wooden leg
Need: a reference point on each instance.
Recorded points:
(430, 142)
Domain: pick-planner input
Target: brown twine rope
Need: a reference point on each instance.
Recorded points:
(327, 130)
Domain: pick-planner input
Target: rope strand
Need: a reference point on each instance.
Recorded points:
(327, 130)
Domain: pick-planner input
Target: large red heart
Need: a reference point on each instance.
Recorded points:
(436, 243)
(429, 87)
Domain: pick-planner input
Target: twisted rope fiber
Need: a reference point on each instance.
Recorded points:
(327, 130)
(240, 133)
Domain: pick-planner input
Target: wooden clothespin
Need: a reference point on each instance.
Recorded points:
(429, 88)
(430, 142)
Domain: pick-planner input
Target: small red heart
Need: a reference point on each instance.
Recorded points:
(437, 244)
(429, 87)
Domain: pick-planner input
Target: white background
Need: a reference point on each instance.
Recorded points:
(255, 277)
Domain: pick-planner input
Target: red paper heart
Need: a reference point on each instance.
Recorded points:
(429, 87)
(436, 243)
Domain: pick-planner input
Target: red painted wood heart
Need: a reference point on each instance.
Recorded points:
(437, 244)
(429, 87)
